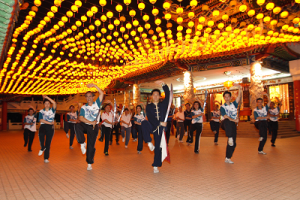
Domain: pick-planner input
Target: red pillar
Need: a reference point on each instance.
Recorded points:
(297, 103)
(61, 120)
(23, 117)
(4, 115)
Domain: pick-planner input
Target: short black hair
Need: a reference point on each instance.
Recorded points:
(71, 106)
(139, 106)
(259, 99)
(45, 100)
(30, 109)
(106, 105)
(155, 90)
(227, 92)
(188, 104)
(126, 109)
(197, 103)
(89, 92)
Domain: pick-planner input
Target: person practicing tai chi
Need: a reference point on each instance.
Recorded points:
(89, 120)
(215, 123)
(107, 122)
(46, 131)
(261, 116)
(197, 120)
(180, 124)
(116, 128)
(72, 118)
(229, 112)
(156, 113)
(139, 117)
(29, 128)
(187, 119)
(126, 126)
(273, 123)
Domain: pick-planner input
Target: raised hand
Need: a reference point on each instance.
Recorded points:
(90, 85)
(44, 96)
(159, 82)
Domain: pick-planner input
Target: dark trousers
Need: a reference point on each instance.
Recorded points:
(133, 131)
(262, 126)
(168, 130)
(157, 151)
(46, 131)
(140, 137)
(230, 130)
(190, 138)
(72, 132)
(117, 129)
(198, 128)
(28, 138)
(273, 129)
(187, 125)
(106, 133)
(180, 130)
(80, 129)
(215, 126)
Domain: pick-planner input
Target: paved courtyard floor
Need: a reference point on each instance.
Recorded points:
(124, 174)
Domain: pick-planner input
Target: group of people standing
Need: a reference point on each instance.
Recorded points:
(89, 118)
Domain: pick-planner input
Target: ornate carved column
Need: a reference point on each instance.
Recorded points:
(136, 94)
(188, 86)
(256, 86)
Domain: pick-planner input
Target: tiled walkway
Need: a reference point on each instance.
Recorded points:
(126, 175)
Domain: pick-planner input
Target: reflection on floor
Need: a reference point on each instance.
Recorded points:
(124, 174)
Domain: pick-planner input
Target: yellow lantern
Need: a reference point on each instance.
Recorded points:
(273, 22)
(221, 25)
(193, 3)
(141, 6)
(166, 5)
(152, 1)
(94, 9)
(109, 14)
(155, 11)
(179, 20)
(61, 24)
(276, 10)
(132, 13)
(270, 6)
(296, 20)
(64, 19)
(54, 9)
(102, 3)
(191, 15)
(78, 23)
(228, 84)
(210, 23)
(158, 21)
(140, 29)
(70, 14)
(260, 2)
(50, 14)
(201, 20)
(83, 18)
(251, 13)
(191, 24)
(284, 14)
(117, 22)
(243, 8)
(92, 27)
(122, 29)
(147, 26)
(179, 10)
(37, 3)
(78, 3)
(74, 8)
(128, 26)
(110, 27)
(97, 22)
(103, 18)
(119, 8)
(259, 16)
(168, 16)
(225, 18)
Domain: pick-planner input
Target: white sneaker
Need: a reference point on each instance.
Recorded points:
(260, 139)
(71, 147)
(134, 140)
(123, 139)
(263, 153)
(89, 168)
(230, 141)
(126, 146)
(155, 170)
(67, 135)
(139, 152)
(151, 146)
(228, 160)
(46, 161)
(82, 147)
(180, 141)
(41, 152)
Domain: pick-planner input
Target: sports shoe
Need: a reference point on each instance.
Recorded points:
(230, 141)
(118, 143)
(180, 141)
(216, 143)
(263, 153)
(71, 147)
(260, 139)
(46, 161)
(126, 146)
(151, 146)
(106, 153)
(139, 152)
(123, 139)
(100, 139)
(196, 152)
(67, 135)
(29, 150)
(228, 160)
(273, 145)
(89, 168)
(134, 140)
(41, 152)
(82, 147)
(155, 170)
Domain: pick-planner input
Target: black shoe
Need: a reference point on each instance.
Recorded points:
(25, 144)
(101, 139)
(196, 152)
(118, 143)
(30, 150)
(106, 153)
(273, 145)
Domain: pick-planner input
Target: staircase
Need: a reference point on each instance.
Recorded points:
(247, 130)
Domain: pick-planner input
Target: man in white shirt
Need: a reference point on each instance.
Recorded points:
(273, 123)
(107, 121)
(126, 124)
(180, 124)
(89, 124)
(29, 128)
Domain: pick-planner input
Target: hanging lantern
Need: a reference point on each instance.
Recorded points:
(97, 22)
(117, 22)
(270, 6)
(195, 90)
(135, 23)
(155, 11)
(119, 8)
(191, 24)
(193, 3)
(78, 3)
(201, 20)
(251, 13)
(284, 14)
(64, 19)
(243, 8)
(74, 8)
(158, 21)
(54, 9)
(228, 84)
(70, 14)
(83, 18)
(109, 14)
(141, 6)
(110, 27)
(210, 23)
(216, 13)
(276, 10)
(102, 3)
(78, 23)
(296, 20)
(166, 5)
(132, 13)
(103, 18)
(259, 16)
(191, 15)
(179, 10)
(152, 1)
(168, 16)
(146, 18)
(37, 3)
(179, 20)
(260, 2)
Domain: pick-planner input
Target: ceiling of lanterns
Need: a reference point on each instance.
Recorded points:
(60, 46)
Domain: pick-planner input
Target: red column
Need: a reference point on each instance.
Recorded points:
(61, 120)
(4, 115)
(23, 117)
(297, 103)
